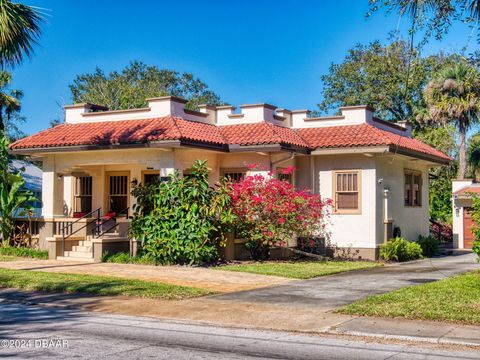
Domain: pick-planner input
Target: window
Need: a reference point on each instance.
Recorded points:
(413, 188)
(83, 194)
(118, 193)
(234, 174)
(347, 191)
(150, 178)
(284, 177)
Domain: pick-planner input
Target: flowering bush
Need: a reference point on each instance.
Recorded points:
(270, 212)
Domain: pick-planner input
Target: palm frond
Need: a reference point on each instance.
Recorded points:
(19, 31)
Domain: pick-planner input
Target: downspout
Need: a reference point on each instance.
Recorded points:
(312, 172)
(275, 163)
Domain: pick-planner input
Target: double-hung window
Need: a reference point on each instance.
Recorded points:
(413, 188)
(347, 191)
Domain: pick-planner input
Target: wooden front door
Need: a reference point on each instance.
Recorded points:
(467, 228)
(118, 191)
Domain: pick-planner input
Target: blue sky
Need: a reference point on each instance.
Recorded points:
(246, 51)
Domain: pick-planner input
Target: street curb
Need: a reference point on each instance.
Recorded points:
(431, 340)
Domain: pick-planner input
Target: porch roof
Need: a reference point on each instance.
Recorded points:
(146, 131)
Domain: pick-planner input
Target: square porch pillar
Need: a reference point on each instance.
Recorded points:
(52, 190)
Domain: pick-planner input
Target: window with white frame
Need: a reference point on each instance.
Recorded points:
(346, 189)
(413, 188)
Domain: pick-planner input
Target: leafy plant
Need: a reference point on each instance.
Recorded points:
(23, 252)
(399, 249)
(430, 246)
(476, 249)
(13, 196)
(476, 224)
(270, 212)
(125, 258)
(182, 220)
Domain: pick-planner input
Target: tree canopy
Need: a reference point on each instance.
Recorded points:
(130, 87)
(380, 76)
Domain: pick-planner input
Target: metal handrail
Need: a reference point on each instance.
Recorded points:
(96, 231)
(70, 225)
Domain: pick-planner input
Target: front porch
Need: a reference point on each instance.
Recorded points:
(87, 205)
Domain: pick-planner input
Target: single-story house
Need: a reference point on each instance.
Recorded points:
(375, 172)
(462, 212)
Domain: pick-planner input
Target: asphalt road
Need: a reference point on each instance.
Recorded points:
(34, 332)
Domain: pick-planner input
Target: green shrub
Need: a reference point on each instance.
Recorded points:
(430, 246)
(181, 220)
(23, 252)
(399, 249)
(476, 249)
(125, 258)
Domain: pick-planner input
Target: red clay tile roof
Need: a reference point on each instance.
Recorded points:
(121, 132)
(173, 128)
(363, 135)
(261, 134)
(475, 188)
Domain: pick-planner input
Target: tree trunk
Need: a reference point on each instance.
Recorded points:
(462, 162)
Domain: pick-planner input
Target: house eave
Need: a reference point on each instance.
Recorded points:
(76, 148)
(419, 155)
(350, 150)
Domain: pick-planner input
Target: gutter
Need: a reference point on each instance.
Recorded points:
(275, 163)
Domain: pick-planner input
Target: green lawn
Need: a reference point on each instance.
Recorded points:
(96, 285)
(10, 258)
(454, 299)
(300, 269)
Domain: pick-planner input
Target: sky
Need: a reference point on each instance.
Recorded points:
(246, 51)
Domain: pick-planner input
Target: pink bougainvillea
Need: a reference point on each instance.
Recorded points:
(270, 211)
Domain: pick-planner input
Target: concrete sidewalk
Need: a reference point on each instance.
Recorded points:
(330, 292)
(409, 330)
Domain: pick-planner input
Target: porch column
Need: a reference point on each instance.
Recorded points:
(52, 189)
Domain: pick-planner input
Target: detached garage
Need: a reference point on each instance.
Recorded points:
(462, 212)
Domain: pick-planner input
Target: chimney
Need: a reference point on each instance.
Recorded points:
(284, 116)
(298, 117)
(253, 113)
(73, 113)
(358, 114)
(210, 110)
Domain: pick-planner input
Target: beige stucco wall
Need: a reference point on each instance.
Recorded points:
(413, 221)
(363, 230)
(350, 230)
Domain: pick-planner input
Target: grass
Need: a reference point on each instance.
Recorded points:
(300, 269)
(95, 285)
(454, 299)
(11, 251)
(8, 258)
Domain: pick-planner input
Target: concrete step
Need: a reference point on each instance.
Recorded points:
(85, 243)
(76, 259)
(82, 248)
(78, 254)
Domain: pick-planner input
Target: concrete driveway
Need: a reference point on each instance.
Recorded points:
(328, 292)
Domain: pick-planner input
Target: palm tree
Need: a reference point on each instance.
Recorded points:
(436, 16)
(9, 100)
(19, 31)
(453, 96)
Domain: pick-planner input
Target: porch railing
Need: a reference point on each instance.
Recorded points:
(67, 230)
